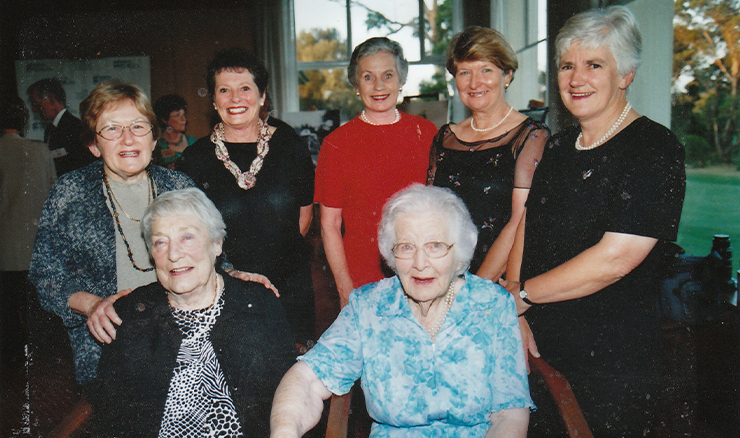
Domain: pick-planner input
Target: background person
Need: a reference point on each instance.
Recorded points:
(365, 161)
(171, 111)
(63, 131)
(260, 176)
(437, 348)
(489, 158)
(198, 353)
(604, 204)
(26, 175)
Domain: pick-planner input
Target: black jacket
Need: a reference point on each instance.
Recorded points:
(67, 135)
(251, 339)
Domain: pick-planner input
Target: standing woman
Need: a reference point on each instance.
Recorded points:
(89, 245)
(171, 111)
(603, 206)
(365, 161)
(260, 176)
(488, 159)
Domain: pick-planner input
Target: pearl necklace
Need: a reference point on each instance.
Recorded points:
(472, 122)
(365, 119)
(245, 180)
(608, 134)
(449, 297)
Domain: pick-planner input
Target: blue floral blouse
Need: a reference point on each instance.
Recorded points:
(416, 388)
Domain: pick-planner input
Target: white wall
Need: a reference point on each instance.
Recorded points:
(650, 93)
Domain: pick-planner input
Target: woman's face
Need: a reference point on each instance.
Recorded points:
(184, 256)
(481, 85)
(378, 82)
(589, 83)
(177, 120)
(127, 157)
(425, 279)
(237, 98)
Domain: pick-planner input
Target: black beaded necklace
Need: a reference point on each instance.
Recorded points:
(114, 212)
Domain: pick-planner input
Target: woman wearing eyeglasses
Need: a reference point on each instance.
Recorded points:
(436, 347)
(89, 244)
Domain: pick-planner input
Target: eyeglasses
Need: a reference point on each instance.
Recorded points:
(433, 250)
(114, 132)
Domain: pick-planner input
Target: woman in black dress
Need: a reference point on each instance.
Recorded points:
(261, 178)
(604, 203)
(488, 159)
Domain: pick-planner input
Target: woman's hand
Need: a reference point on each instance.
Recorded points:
(257, 278)
(100, 313)
(528, 343)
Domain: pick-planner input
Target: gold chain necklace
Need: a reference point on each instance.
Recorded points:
(114, 212)
(245, 180)
(113, 194)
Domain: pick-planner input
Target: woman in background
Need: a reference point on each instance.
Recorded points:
(488, 159)
(171, 111)
(365, 161)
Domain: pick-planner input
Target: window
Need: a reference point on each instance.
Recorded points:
(326, 31)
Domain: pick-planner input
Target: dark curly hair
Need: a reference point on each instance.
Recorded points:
(165, 105)
(237, 58)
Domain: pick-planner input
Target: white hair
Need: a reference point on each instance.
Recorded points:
(614, 27)
(421, 199)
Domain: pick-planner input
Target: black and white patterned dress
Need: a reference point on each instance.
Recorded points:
(199, 401)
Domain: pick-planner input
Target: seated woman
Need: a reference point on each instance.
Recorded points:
(436, 347)
(198, 353)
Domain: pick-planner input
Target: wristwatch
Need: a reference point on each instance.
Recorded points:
(523, 294)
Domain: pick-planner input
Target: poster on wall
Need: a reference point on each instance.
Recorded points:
(78, 77)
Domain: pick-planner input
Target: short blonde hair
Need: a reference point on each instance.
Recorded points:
(481, 44)
(107, 95)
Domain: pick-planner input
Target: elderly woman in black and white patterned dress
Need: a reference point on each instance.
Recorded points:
(198, 353)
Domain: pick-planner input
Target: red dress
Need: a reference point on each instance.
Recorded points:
(360, 166)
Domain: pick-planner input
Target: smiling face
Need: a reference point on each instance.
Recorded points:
(425, 279)
(378, 82)
(177, 120)
(237, 98)
(589, 83)
(127, 157)
(184, 256)
(481, 85)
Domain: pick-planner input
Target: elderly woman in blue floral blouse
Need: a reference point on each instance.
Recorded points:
(436, 347)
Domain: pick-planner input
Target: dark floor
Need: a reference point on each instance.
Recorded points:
(703, 362)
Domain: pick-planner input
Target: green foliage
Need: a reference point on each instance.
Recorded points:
(707, 47)
(699, 152)
(437, 85)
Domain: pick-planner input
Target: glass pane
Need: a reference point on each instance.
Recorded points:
(321, 30)
(428, 78)
(328, 89)
(438, 26)
(397, 20)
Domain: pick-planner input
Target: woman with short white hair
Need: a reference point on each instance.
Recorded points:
(436, 348)
(605, 201)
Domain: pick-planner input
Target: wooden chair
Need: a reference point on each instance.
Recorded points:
(557, 384)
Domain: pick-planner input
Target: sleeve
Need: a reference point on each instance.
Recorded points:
(530, 155)
(337, 357)
(53, 263)
(650, 195)
(509, 378)
(329, 187)
(434, 153)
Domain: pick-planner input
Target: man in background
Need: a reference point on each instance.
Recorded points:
(62, 134)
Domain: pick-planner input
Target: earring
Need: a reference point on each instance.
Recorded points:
(215, 106)
(400, 89)
(358, 93)
(506, 86)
